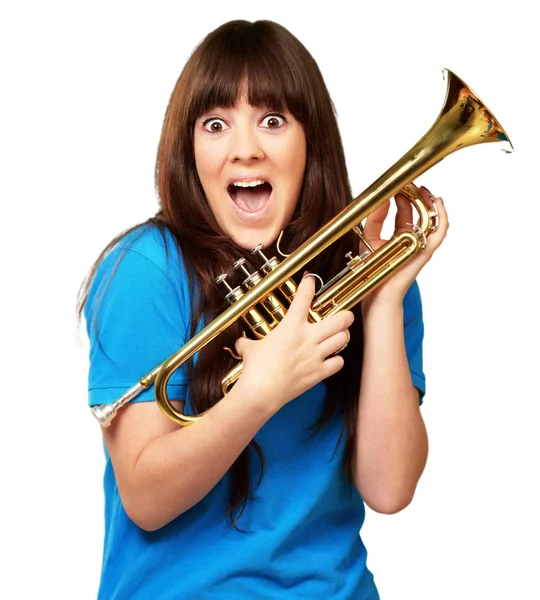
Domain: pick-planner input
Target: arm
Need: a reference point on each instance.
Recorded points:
(392, 445)
(163, 470)
(160, 469)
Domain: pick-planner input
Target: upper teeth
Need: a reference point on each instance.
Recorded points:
(248, 183)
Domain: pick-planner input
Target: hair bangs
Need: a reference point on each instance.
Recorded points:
(273, 84)
(250, 53)
(216, 85)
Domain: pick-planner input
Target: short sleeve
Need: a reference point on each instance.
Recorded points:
(135, 320)
(414, 337)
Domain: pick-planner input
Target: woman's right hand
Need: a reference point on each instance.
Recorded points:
(297, 354)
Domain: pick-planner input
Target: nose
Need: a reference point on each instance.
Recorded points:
(245, 145)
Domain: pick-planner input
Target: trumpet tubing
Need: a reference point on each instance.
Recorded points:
(263, 300)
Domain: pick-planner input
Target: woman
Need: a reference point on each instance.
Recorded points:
(264, 496)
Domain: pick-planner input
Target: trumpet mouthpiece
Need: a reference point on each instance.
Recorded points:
(104, 414)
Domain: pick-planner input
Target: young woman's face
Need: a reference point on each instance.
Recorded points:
(245, 145)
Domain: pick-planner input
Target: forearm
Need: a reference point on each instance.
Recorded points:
(178, 469)
(392, 445)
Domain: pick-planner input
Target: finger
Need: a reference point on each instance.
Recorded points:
(330, 326)
(303, 298)
(436, 238)
(332, 365)
(404, 213)
(436, 204)
(441, 209)
(427, 197)
(334, 344)
(375, 222)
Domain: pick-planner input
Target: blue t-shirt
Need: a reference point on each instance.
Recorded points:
(306, 518)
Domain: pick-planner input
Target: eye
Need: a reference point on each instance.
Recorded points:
(214, 125)
(274, 121)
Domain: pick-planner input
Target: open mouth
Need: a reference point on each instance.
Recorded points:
(250, 197)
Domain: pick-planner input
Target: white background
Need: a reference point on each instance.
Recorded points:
(85, 87)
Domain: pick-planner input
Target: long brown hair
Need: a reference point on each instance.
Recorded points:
(281, 75)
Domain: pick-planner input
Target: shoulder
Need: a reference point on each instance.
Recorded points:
(147, 249)
(158, 247)
(146, 261)
(137, 312)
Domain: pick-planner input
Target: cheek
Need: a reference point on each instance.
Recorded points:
(206, 162)
(294, 159)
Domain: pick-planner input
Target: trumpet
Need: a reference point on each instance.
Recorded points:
(262, 300)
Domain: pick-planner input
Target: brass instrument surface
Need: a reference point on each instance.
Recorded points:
(463, 121)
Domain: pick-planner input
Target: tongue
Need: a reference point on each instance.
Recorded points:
(252, 199)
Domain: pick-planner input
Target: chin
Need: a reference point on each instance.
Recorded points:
(248, 242)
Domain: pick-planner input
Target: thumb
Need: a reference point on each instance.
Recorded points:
(241, 345)
(303, 298)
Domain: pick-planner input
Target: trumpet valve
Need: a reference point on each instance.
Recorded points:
(274, 308)
(234, 294)
(252, 278)
(269, 263)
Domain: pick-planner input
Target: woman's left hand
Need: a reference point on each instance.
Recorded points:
(395, 288)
